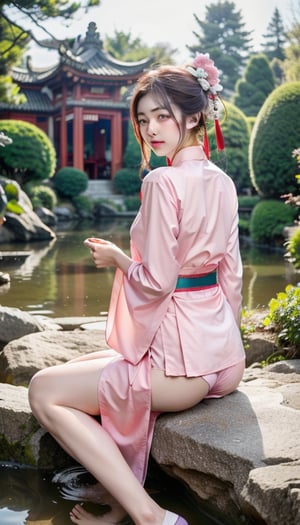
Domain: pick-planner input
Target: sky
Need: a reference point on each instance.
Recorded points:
(163, 21)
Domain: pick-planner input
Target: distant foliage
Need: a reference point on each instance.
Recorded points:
(275, 134)
(275, 37)
(222, 34)
(257, 83)
(70, 182)
(31, 154)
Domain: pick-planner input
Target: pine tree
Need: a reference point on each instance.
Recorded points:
(291, 64)
(223, 36)
(275, 38)
(257, 83)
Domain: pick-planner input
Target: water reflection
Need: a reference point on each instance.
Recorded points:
(35, 497)
(59, 279)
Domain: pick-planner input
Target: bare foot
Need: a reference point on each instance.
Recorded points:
(79, 515)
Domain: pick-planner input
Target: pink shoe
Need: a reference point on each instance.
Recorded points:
(174, 519)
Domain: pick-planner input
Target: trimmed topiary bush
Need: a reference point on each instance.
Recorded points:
(257, 83)
(70, 182)
(83, 206)
(268, 219)
(132, 203)
(275, 134)
(42, 196)
(31, 154)
(127, 181)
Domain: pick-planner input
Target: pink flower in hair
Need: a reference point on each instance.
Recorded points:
(204, 69)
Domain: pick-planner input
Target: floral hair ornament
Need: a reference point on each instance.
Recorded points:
(205, 71)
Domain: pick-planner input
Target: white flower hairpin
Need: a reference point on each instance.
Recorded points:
(205, 71)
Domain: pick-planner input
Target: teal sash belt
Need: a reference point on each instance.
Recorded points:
(192, 282)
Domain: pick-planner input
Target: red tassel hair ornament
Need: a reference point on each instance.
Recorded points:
(219, 136)
(206, 144)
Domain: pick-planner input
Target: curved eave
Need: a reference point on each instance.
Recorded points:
(34, 76)
(91, 64)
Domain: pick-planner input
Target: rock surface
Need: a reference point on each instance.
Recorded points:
(240, 454)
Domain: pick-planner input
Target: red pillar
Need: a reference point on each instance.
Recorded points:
(63, 130)
(78, 132)
(116, 143)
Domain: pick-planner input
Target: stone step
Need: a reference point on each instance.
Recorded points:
(102, 189)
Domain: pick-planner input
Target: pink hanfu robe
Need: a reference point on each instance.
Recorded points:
(187, 225)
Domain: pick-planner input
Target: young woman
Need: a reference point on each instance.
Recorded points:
(173, 323)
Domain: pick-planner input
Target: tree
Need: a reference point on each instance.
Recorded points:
(31, 154)
(33, 13)
(129, 49)
(12, 42)
(17, 18)
(291, 64)
(224, 38)
(257, 83)
(275, 38)
(275, 135)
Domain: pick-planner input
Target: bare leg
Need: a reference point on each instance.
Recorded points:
(63, 399)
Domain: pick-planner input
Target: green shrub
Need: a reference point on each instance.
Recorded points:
(248, 201)
(268, 219)
(275, 134)
(244, 226)
(284, 315)
(70, 182)
(42, 196)
(127, 181)
(83, 206)
(31, 155)
(294, 249)
(132, 203)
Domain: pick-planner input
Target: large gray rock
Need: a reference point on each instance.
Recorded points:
(20, 359)
(224, 449)
(15, 323)
(241, 454)
(28, 227)
(22, 440)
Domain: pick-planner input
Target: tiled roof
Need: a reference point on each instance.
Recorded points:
(95, 62)
(37, 101)
(33, 76)
(86, 56)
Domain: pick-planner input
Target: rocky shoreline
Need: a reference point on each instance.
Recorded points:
(239, 454)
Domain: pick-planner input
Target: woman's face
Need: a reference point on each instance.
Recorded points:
(157, 126)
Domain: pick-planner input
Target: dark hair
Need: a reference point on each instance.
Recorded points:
(170, 85)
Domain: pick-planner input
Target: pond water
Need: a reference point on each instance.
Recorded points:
(33, 497)
(59, 279)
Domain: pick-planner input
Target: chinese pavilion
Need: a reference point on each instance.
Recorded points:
(81, 103)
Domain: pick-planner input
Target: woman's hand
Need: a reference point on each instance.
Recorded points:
(106, 253)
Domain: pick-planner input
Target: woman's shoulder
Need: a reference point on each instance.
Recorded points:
(158, 174)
